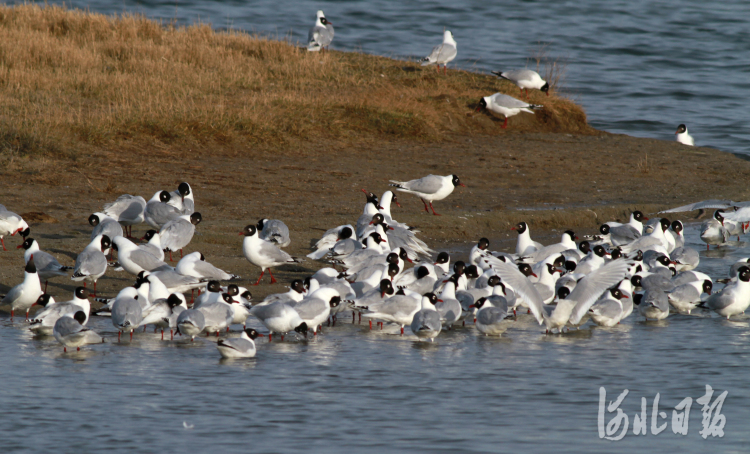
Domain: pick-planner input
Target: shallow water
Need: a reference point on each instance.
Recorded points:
(352, 389)
(638, 67)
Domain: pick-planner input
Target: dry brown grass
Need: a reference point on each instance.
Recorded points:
(72, 80)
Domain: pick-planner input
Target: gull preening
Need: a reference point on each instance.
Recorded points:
(525, 79)
(442, 54)
(506, 106)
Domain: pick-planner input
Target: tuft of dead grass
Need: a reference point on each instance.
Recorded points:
(72, 80)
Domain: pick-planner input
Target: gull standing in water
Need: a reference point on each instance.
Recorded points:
(70, 332)
(44, 320)
(506, 106)
(321, 34)
(244, 347)
(262, 253)
(430, 188)
(442, 54)
(25, 294)
(524, 79)
(126, 312)
(426, 322)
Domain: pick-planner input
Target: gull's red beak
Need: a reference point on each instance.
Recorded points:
(19, 246)
(462, 185)
(513, 228)
(242, 233)
(533, 274)
(626, 296)
(645, 219)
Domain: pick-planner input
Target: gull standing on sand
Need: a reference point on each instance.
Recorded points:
(442, 54)
(153, 245)
(430, 188)
(104, 225)
(321, 34)
(133, 259)
(182, 199)
(10, 224)
(524, 79)
(505, 105)
(25, 294)
(682, 136)
(127, 210)
(274, 231)
(46, 265)
(158, 210)
(176, 234)
(262, 253)
(91, 264)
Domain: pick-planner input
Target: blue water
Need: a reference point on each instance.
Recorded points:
(356, 390)
(638, 67)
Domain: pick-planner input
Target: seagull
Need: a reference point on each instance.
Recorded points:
(218, 314)
(329, 239)
(608, 310)
(133, 259)
(244, 347)
(713, 230)
(426, 322)
(127, 210)
(321, 34)
(316, 308)
(683, 137)
(10, 224)
(158, 211)
(70, 332)
(263, 254)
(444, 53)
(126, 312)
(153, 245)
(194, 264)
(430, 188)
(505, 105)
(160, 312)
(399, 309)
(295, 294)
(687, 296)
(655, 304)
(104, 225)
(25, 294)
(274, 231)
(46, 265)
(492, 316)
(44, 320)
(279, 318)
(191, 323)
(733, 299)
(525, 79)
(182, 199)
(525, 246)
(177, 233)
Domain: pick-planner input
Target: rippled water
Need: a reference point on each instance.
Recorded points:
(353, 390)
(638, 67)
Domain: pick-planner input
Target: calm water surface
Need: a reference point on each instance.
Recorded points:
(355, 390)
(638, 67)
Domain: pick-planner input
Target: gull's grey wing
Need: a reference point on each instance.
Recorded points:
(591, 287)
(713, 203)
(625, 232)
(210, 271)
(491, 315)
(161, 213)
(176, 234)
(426, 185)
(90, 262)
(426, 320)
(66, 326)
(125, 207)
(523, 287)
(607, 308)
(509, 101)
(515, 75)
(272, 251)
(146, 260)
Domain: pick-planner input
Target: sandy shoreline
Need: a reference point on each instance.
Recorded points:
(552, 181)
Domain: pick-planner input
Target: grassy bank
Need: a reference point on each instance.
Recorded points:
(72, 80)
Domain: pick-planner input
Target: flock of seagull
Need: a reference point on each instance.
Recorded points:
(321, 36)
(602, 279)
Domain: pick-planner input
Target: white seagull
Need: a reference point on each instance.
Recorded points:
(321, 34)
(506, 106)
(442, 54)
(524, 79)
(177, 233)
(262, 253)
(244, 347)
(25, 294)
(127, 210)
(683, 137)
(430, 188)
(10, 224)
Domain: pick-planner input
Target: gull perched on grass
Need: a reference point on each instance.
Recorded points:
(442, 54)
(321, 34)
(524, 79)
(506, 106)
